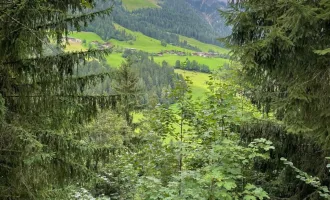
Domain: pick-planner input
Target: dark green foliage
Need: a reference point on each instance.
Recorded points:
(111, 131)
(284, 50)
(127, 85)
(303, 151)
(157, 80)
(320, 190)
(192, 66)
(163, 43)
(215, 167)
(176, 16)
(106, 29)
(127, 53)
(42, 100)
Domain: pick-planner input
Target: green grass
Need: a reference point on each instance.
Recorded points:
(151, 45)
(203, 46)
(199, 86)
(144, 43)
(88, 36)
(75, 47)
(213, 63)
(137, 4)
(114, 59)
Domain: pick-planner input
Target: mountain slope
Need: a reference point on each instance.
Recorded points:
(143, 42)
(150, 45)
(172, 17)
(208, 9)
(138, 4)
(175, 16)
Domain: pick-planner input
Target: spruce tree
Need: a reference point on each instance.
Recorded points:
(127, 86)
(284, 49)
(42, 100)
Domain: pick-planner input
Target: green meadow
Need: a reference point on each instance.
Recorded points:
(88, 36)
(213, 63)
(199, 82)
(75, 47)
(151, 45)
(144, 43)
(137, 4)
(203, 46)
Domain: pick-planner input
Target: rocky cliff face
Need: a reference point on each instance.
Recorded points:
(208, 9)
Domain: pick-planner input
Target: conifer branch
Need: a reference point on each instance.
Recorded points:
(81, 55)
(74, 19)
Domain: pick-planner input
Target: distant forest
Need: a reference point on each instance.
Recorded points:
(175, 17)
(154, 80)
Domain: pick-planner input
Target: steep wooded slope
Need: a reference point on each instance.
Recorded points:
(209, 10)
(172, 17)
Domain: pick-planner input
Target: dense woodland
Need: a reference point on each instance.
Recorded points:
(192, 66)
(67, 119)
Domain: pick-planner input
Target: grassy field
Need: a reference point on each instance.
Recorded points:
(151, 45)
(137, 4)
(144, 42)
(199, 86)
(88, 36)
(203, 46)
(75, 47)
(114, 59)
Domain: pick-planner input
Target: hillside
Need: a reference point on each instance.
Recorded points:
(144, 43)
(174, 17)
(209, 10)
(155, 26)
(151, 45)
(206, 9)
(154, 46)
(203, 46)
(138, 4)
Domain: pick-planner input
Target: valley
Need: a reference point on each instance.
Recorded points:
(141, 100)
(147, 44)
(153, 46)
